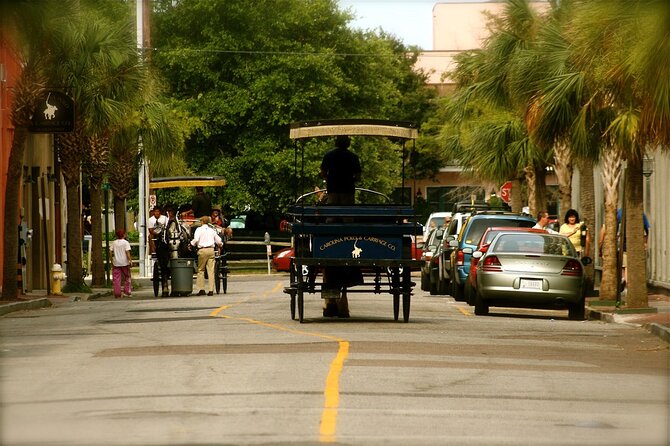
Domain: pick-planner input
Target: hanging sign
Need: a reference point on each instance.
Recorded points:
(53, 113)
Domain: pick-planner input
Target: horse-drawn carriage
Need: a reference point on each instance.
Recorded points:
(174, 258)
(372, 242)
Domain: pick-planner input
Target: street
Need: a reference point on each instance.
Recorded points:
(235, 369)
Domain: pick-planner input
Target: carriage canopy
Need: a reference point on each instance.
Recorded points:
(354, 127)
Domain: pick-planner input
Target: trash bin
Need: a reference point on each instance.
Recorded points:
(181, 271)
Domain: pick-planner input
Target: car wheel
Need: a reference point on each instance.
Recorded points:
(481, 309)
(469, 294)
(433, 282)
(443, 286)
(425, 281)
(457, 292)
(576, 312)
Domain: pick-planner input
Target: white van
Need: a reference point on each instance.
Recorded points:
(435, 220)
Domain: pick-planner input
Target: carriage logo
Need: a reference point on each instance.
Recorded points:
(356, 253)
(53, 112)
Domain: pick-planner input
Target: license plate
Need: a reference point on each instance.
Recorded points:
(531, 284)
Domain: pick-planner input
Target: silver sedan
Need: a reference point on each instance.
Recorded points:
(530, 270)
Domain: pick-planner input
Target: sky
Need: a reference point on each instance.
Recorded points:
(409, 20)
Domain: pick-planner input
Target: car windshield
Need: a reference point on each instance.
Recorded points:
(528, 243)
(478, 227)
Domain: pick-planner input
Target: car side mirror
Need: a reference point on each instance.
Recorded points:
(477, 254)
(587, 260)
(467, 250)
(453, 243)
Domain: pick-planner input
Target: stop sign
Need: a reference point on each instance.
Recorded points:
(506, 192)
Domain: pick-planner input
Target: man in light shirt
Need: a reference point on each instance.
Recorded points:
(205, 239)
(543, 221)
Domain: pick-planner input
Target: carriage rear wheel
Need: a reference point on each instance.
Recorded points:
(396, 305)
(156, 278)
(406, 294)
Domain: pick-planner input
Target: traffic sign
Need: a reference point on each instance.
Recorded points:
(506, 192)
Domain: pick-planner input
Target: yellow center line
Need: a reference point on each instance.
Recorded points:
(328, 425)
(465, 311)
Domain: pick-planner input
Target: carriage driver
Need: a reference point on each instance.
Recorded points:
(205, 239)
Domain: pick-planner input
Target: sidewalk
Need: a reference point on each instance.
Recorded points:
(656, 322)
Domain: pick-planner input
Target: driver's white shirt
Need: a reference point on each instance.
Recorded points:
(152, 221)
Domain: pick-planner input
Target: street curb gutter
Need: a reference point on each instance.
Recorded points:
(654, 328)
(32, 304)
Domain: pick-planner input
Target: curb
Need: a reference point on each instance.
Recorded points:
(25, 305)
(654, 328)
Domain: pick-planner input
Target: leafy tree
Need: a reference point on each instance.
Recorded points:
(245, 78)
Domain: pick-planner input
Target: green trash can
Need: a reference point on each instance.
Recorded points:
(181, 271)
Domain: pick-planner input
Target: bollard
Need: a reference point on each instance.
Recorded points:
(268, 250)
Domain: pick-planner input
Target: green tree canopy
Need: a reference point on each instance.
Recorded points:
(247, 72)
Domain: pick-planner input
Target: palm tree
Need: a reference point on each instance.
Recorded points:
(625, 48)
(28, 27)
(99, 64)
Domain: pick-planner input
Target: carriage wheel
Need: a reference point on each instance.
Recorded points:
(396, 306)
(301, 306)
(217, 275)
(407, 294)
(224, 280)
(156, 279)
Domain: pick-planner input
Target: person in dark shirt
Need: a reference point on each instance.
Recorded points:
(341, 169)
(202, 203)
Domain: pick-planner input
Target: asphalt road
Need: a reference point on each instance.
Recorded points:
(235, 369)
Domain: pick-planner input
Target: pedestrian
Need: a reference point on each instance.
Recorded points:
(121, 262)
(202, 203)
(205, 239)
(576, 231)
(543, 221)
(341, 169)
(157, 222)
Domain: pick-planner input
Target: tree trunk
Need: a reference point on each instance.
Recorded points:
(120, 213)
(563, 169)
(611, 173)
(97, 255)
(75, 280)
(516, 200)
(10, 288)
(636, 254)
(587, 212)
(531, 185)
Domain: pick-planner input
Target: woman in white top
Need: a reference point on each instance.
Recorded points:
(572, 228)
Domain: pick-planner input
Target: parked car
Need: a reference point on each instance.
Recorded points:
(281, 260)
(443, 275)
(434, 237)
(483, 246)
(435, 220)
(469, 237)
(530, 270)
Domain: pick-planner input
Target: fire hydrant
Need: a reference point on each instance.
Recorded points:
(57, 276)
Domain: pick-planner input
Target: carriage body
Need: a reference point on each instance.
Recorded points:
(373, 238)
(174, 253)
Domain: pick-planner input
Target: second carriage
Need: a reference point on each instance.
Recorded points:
(176, 238)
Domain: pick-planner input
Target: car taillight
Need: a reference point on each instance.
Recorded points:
(491, 264)
(572, 268)
(460, 257)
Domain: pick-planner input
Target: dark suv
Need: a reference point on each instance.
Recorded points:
(468, 239)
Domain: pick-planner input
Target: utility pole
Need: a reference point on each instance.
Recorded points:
(143, 40)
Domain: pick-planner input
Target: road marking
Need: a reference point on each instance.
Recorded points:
(331, 392)
(465, 311)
